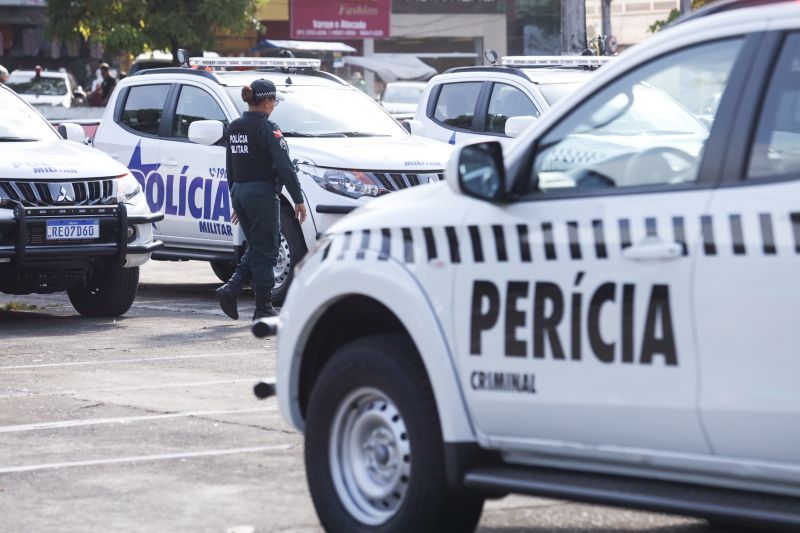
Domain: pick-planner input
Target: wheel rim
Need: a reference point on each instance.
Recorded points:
(370, 456)
(283, 264)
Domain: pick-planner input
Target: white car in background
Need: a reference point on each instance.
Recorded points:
(166, 125)
(45, 88)
(401, 98)
(498, 101)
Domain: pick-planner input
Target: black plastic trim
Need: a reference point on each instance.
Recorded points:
(461, 457)
(640, 493)
(145, 219)
(178, 254)
(145, 248)
(498, 68)
(335, 209)
(178, 70)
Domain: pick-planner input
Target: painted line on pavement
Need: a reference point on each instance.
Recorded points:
(27, 394)
(139, 360)
(145, 458)
(128, 419)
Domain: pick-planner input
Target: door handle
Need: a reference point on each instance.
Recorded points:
(653, 250)
(169, 162)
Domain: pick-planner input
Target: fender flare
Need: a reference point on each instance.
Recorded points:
(398, 290)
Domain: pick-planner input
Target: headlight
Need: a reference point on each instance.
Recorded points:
(127, 188)
(350, 183)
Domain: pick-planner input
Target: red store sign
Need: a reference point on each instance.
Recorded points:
(340, 19)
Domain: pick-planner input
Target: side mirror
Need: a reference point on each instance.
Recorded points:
(415, 127)
(72, 132)
(516, 125)
(480, 171)
(183, 57)
(205, 132)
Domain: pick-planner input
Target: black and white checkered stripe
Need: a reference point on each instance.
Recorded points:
(528, 243)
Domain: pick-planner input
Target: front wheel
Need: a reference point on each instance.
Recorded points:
(291, 250)
(223, 269)
(373, 447)
(108, 293)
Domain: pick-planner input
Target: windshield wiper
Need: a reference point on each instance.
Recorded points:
(351, 134)
(15, 139)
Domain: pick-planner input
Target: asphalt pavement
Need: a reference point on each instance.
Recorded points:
(148, 423)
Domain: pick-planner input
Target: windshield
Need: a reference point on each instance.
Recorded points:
(651, 112)
(553, 92)
(327, 111)
(45, 86)
(20, 122)
(402, 94)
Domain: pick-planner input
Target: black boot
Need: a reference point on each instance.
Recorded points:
(264, 306)
(228, 295)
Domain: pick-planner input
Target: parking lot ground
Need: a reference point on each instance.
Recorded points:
(148, 423)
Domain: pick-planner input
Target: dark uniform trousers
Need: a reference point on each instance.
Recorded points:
(258, 207)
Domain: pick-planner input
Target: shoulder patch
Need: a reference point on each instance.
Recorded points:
(277, 133)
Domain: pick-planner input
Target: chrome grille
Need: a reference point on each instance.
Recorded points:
(394, 182)
(57, 194)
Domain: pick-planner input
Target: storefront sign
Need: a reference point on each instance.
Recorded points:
(342, 19)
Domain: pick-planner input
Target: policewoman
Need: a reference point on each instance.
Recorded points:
(258, 167)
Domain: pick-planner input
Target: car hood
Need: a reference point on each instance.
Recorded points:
(416, 206)
(397, 154)
(55, 160)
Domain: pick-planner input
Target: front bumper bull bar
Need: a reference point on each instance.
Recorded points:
(117, 214)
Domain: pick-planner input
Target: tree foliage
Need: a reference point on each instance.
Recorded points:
(657, 25)
(136, 25)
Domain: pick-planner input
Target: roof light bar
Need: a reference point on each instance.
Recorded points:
(254, 62)
(555, 61)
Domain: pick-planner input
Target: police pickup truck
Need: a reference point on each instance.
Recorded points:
(604, 311)
(71, 218)
(166, 125)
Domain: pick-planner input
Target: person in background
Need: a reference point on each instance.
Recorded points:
(358, 81)
(102, 92)
(258, 167)
(3, 74)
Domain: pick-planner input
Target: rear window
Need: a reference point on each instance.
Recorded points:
(456, 104)
(144, 107)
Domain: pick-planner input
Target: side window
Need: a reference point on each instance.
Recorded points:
(456, 104)
(195, 104)
(776, 148)
(144, 107)
(647, 128)
(507, 101)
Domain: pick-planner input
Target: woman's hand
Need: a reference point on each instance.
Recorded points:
(300, 212)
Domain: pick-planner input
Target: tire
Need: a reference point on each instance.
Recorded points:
(109, 293)
(291, 250)
(397, 421)
(223, 269)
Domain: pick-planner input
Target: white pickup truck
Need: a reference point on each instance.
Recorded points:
(166, 125)
(604, 309)
(71, 218)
